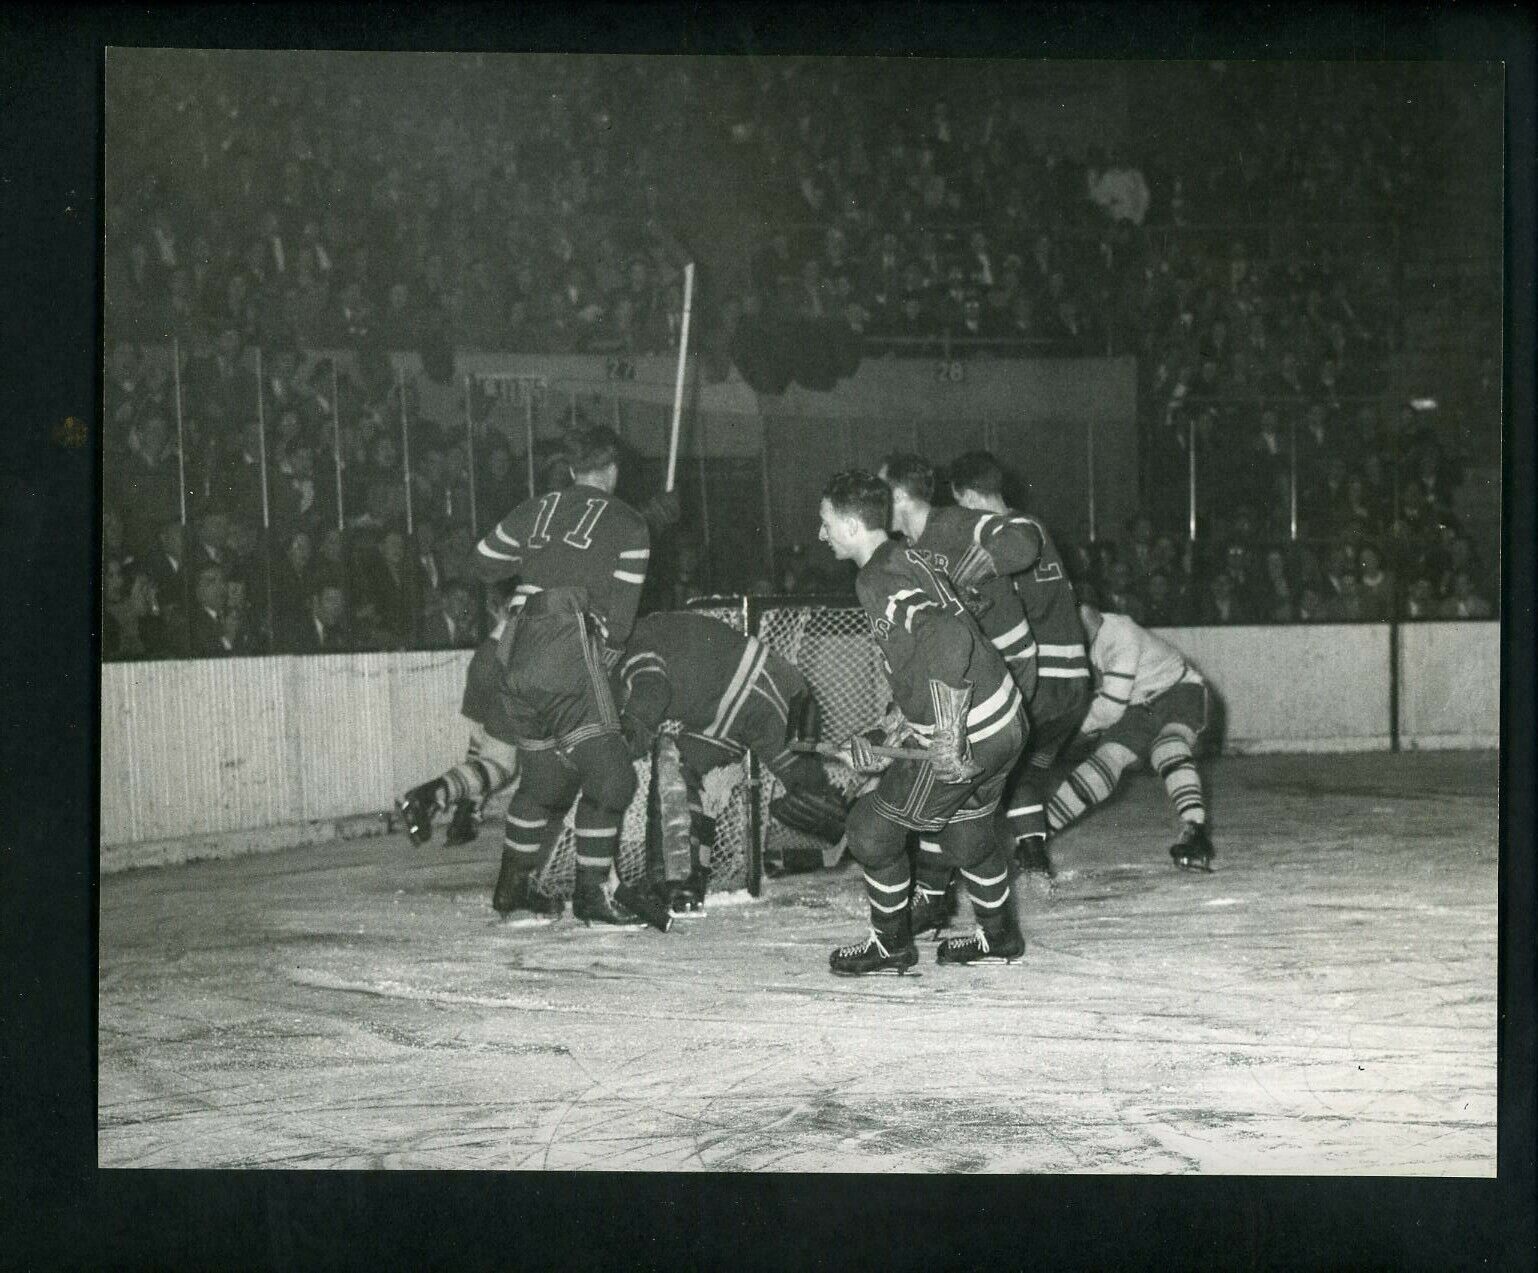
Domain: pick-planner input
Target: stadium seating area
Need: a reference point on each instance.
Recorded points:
(1234, 243)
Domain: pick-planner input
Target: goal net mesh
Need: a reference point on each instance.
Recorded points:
(831, 645)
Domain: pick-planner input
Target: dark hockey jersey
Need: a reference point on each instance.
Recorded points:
(952, 537)
(1052, 608)
(698, 671)
(924, 634)
(581, 538)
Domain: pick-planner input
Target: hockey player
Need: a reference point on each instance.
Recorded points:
(980, 552)
(952, 692)
(1063, 684)
(491, 760)
(1150, 706)
(580, 555)
(731, 694)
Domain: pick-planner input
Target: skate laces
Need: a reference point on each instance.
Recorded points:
(978, 939)
(860, 947)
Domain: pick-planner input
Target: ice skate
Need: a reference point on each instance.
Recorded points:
(872, 958)
(1002, 948)
(686, 898)
(592, 905)
(1032, 857)
(463, 826)
(643, 901)
(1194, 851)
(416, 809)
(515, 892)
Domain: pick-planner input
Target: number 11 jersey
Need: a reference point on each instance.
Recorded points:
(579, 537)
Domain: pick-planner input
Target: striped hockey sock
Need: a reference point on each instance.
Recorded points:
(597, 840)
(886, 889)
(1091, 783)
(526, 838)
(1025, 810)
(988, 889)
(1171, 757)
(475, 779)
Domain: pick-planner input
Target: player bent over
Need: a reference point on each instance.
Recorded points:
(580, 555)
(732, 694)
(491, 760)
(1151, 706)
(954, 694)
(1063, 683)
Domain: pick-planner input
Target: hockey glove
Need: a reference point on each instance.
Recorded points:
(949, 752)
(862, 759)
(662, 511)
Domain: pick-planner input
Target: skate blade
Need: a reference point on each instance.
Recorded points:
(987, 961)
(525, 920)
(1194, 864)
(880, 972)
(686, 915)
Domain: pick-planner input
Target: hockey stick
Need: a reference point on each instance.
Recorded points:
(834, 752)
(678, 384)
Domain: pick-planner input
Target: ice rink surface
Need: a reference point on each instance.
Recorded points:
(1324, 1003)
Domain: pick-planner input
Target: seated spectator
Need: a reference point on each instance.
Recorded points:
(1349, 606)
(1464, 602)
(1312, 607)
(331, 565)
(1421, 600)
(1164, 608)
(132, 626)
(387, 582)
(1278, 588)
(327, 632)
(292, 584)
(235, 636)
(205, 623)
(1377, 585)
(1120, 595)
(451, 624)
(1220, 606)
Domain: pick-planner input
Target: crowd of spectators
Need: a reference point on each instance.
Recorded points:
(288, 204)
(316, 202)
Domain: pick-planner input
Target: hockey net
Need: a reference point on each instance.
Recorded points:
(829, 641)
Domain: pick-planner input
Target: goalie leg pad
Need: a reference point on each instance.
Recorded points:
(815, 813)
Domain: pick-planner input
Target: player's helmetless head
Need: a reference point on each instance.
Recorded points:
(593, 455)
(855, 512)
(911, 480)
(977, 482)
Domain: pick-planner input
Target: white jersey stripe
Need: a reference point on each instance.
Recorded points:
(1064, 673)
(507, 539)
(494, 554)
(626, 577)
(735, 688)
(1063, 651)
(635, 554)
(983, 712)
(1006, 639)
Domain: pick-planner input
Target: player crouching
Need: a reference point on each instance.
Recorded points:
(1150, 707)
(731, 694)
(491, 761)
(955, 694)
